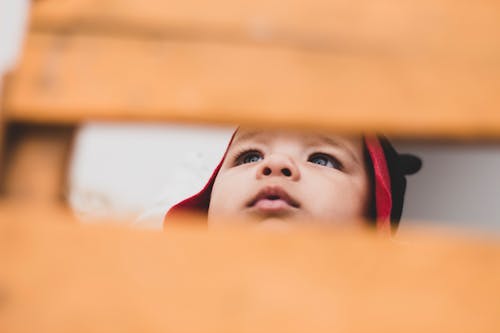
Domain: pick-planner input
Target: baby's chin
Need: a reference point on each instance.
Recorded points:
(282, 222)
(277, 221)
(274, 224)
(271, 222)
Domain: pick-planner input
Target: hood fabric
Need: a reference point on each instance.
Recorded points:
(388, 184)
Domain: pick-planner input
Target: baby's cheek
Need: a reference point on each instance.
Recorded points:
(347, 204)
(225, 194)
(214, 207)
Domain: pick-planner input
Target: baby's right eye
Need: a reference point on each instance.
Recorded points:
(250, 156)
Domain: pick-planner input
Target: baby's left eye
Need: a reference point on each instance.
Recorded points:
(325, 160)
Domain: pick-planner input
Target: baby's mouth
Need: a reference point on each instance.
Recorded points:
(272, 199)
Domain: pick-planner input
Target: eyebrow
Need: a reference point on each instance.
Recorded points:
(246, 136)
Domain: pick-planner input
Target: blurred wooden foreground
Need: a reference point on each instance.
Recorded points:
(411, 68)
(58, 277)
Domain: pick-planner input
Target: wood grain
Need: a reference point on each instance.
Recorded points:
(2, 127)
(407, 26)
(59, 277)
(70, 79)
(35, 169)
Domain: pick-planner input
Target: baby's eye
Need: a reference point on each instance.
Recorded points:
(325, 160)
(250, 156)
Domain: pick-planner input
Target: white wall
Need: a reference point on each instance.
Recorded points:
(12, 26)
(142, 170)
(458, 185)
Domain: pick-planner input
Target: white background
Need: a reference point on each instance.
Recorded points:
(141, 170)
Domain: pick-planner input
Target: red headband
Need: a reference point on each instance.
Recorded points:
(199, 202)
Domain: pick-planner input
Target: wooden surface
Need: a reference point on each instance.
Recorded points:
(381, 26)
(70, 79)
(412, 68)
(59, 277)
(35, 168)
(2, 128)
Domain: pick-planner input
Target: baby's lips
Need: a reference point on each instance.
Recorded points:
(267, 205)
(271, 196)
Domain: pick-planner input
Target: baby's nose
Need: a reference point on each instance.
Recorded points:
(278, 165)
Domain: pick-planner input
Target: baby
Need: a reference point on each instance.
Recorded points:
(277, 177)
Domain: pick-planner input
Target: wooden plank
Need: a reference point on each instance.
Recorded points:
(2, 127)
(16, 212)
(409, 26)
(67, 278)
(69, 79)
(36, 164)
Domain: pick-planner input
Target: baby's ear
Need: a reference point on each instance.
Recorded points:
(409, 164)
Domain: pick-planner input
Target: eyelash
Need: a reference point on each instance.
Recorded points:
(336, 164)
(239, 158)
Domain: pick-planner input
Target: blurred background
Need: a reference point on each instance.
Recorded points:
(141, 170)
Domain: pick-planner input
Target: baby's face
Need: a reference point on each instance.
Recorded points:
(275, 177)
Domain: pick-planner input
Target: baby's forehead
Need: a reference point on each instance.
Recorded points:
(305, 137)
